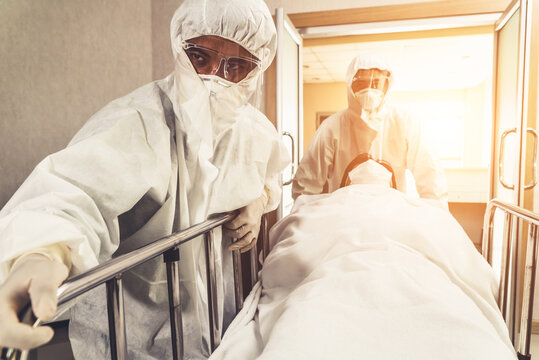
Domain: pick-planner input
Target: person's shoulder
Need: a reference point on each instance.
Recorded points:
(404, 120)
(335, 117)
(401, 114)
(257, 118)
(397, 110)
(146, 96)
(333, 122)
(144, 104)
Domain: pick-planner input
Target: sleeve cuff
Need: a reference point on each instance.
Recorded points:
(58, 252)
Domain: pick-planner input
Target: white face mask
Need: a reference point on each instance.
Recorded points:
(223, 94)
(369, 99)
(215, 84)
(225, 100)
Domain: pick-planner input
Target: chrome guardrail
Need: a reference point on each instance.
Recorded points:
(510, 269)
(110, 272)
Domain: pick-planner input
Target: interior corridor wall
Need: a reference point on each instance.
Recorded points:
(324, 98)
(61, 61)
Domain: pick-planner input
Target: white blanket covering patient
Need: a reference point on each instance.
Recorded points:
(369, 273)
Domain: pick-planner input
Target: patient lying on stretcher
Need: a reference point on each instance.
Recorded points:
(369, 273)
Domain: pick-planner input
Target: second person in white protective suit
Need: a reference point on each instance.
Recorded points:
(151, 163)
(372, 126)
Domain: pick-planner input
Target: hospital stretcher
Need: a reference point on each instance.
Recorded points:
(508, 294)
(111, 274)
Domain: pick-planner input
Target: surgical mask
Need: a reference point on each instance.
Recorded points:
(369, 99)
(226, 98)
(215, 84)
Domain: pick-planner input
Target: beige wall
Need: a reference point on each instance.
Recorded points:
(61, 61)
(162, 60)
(324, 97)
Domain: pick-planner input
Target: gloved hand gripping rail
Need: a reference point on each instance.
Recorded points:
(110, 273)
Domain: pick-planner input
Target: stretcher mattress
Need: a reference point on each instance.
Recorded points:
(369, 273)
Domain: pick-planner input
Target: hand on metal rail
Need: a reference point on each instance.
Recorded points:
(34, 278)
(246, 225)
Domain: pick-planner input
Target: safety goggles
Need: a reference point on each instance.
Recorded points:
(208, 62)
(370, 80)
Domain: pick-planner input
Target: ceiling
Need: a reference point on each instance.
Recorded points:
(418, 64)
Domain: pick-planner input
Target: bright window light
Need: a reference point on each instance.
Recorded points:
(443, 126)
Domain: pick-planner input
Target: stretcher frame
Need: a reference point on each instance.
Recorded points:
(110, 273)
(508, 294)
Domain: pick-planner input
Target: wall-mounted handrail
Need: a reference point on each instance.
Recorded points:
(110, 272)
(510, 248)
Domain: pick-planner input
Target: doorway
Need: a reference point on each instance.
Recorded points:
(443, 77)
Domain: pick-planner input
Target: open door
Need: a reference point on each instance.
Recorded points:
(288, 101)
(507, 127)
(514, 136)
(510, 55)
(529, 195)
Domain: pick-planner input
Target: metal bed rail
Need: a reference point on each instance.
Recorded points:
(507, 296)
(111, 272)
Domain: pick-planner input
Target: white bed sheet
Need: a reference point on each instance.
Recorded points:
(369, 273)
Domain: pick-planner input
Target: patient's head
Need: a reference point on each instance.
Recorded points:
(370, 172)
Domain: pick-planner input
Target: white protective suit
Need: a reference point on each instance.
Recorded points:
(392, 136)
(148, 164)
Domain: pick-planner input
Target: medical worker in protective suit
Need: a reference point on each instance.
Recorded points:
(369, 126)
(151, 163)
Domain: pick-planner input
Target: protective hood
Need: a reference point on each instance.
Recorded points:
(363, 62)
(247, 23)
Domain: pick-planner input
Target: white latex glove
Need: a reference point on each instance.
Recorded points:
(246, 225)
(34, 278)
